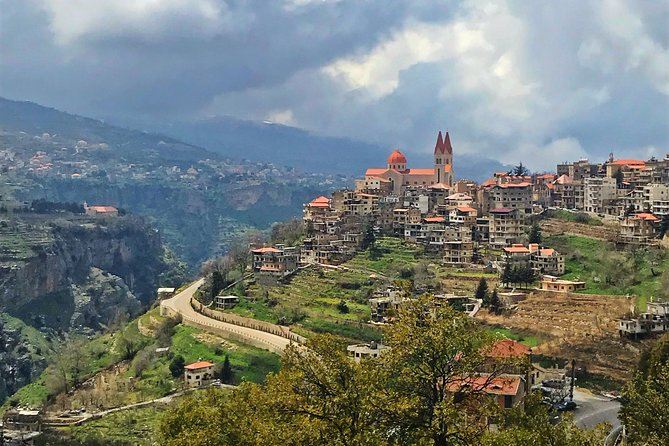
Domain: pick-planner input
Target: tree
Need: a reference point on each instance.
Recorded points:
(520, 170)
(218, 282)
(619, 176)
(495, 303)
(507, 274)
(342, 307)
(177, 366)
(664, 225)
(368, 236)
(227, 375)
(482, 291)
(630, 210)
(646, 398)
(535, 233)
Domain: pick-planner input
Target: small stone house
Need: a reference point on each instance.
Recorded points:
(198, 374)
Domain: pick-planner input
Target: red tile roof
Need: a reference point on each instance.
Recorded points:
(198, 365)
(646, 216)
(320, 202)
(434, 219)
(629, 162)
(266, 249)
(419, 172)
(501, 211)
(103, 209)
(466, 209)
(499, 385)
(443, 144)
(397, 157)
(507, 348)
(517, 248)
(372, 172)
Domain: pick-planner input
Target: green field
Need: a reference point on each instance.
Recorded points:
(505, 333)
(576, 217)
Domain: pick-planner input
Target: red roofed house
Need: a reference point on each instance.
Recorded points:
(507, 390)
(318, 207)
(399, 176)
(199, 374)
(107, 211)
(272, 263)
(542, 260)
(640, 229)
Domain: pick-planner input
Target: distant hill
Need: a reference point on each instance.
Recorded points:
(34, 119)
(299, 148)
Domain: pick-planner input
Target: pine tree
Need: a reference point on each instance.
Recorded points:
(535, 233)
(506, 274)
(368, 237)
(482, 291)
(227, 374)
(495, 303)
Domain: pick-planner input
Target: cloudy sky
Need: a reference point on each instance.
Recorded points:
(541, 81)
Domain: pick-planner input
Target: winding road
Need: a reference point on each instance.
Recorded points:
(180, 305)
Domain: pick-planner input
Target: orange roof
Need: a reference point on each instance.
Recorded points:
(103, 209)
(374, 171)
(199, 365)
(517, 248)
(320, 202)
(420, 172)
(547, 251)
(269, 268)
(499, 385)
(466, 209)
(523, 184)
(629, 162)
(434, 219)
(546, 176)
(397, 158)
(500, 174)
(507, 348)
(489, 182)
(266, 249)
(646, 216)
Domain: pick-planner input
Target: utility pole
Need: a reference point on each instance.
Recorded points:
(573, 373)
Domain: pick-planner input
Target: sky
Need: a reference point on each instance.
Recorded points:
(534, 81)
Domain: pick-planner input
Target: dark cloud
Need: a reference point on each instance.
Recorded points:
(509, 79)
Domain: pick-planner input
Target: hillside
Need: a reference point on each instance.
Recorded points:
(197, 198)
(307, 151)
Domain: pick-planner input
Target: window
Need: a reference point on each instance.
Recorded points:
(508, 401)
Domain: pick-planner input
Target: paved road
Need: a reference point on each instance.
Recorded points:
(181, 304)
(593, 410)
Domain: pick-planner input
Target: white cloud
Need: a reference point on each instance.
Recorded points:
(284, 117)
(151, 20)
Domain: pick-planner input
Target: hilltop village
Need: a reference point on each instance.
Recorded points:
(486, 225)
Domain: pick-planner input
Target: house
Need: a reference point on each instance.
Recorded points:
(271, 264)
(226, 302)
(599, 193)
(507, 390)
(552, 283)
(22, 420)
(165, 293)
(542, 260)
(639, 229)
(102, 211)
(361, 351)
(513, 195)
(199, 373)
(567, 193)
(384, 306)
(655, 320)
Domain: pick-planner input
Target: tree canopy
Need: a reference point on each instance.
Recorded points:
(413, 394)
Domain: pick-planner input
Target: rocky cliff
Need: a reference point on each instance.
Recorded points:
(44, 279)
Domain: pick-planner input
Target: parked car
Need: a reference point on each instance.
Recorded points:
(566, 406)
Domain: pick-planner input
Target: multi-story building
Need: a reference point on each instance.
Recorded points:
(505, 227)
(579, 169)
(273, 263)
(567, 193)
(541, 260)
(599, 194)
(639, 229)
(510, 195)
(655, 198)
(458, 244)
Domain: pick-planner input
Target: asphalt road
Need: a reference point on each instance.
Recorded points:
(181, 304)
(593, 410)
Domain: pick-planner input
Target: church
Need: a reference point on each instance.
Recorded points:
(399, 176)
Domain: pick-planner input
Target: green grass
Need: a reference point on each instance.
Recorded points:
(353, 332)
(576, 217)
(586, 261)
(501, 333)
(128, 427)
(248, 363)
(394, 253)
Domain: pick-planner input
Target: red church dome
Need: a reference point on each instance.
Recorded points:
(397, 158)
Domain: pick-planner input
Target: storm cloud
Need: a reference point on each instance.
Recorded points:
(513, 80)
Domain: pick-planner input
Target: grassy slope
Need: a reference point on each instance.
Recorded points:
(583, 262)
(316, 294)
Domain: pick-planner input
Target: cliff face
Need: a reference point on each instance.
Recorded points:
(124, 247)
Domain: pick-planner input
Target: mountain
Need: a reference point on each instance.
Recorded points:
(299, 148)
(198, 199)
